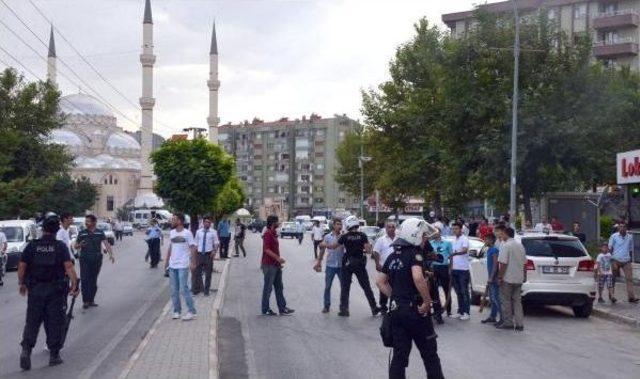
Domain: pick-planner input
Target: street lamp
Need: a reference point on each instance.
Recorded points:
(514, 116)
(361, 160)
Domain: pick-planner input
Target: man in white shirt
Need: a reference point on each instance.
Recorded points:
(543, 227)
(3, 256)
(180, 257)
(317, 233)
(66, 219)
(207, 242)
(512, 273)
(460, 271)
(382, 249)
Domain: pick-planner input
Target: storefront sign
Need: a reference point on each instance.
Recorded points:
(628, 167)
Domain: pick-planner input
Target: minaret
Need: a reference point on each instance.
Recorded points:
(51, 59)
(146, 197)
(213, 83)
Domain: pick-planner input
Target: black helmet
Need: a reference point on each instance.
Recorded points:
(51, 223)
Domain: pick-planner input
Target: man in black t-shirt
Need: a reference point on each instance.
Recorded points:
(239, 235)
(41, 274)
(403, 272)
(356, 244)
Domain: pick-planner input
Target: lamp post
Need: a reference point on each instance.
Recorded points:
(514, 117)
(361, 160)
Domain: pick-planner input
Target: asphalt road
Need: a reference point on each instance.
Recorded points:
(100, 340)
(315, 345)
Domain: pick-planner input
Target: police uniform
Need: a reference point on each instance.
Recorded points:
(46, 284)
(429, 256)
(408, 324)
(90, 262)
(354, 262)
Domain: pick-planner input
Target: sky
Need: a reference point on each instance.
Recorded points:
(277, 58)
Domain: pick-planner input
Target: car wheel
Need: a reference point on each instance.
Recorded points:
(584, 310)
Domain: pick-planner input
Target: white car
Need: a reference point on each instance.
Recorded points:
(108, 232)
(18, 233)
(559, 272)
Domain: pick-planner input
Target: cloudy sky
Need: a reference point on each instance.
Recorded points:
(277, 58)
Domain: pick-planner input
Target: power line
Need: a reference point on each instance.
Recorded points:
(20, 63)
(96, 93)
(135, 105)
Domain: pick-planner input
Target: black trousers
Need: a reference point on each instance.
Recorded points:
(384, 301)
(442, 279)
(89, 269)
(360, 271)
(315, 248)
(239, 243)
(224, 246)
(204, 265)
(410, 326)
(154, 251)
(45, 304)
(118, 235)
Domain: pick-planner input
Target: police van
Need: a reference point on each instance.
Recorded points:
(18, 233)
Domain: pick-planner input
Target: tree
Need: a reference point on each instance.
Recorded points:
(230, 199)
(191, 174)
(34, 174)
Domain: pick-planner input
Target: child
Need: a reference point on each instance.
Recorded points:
(605, 274)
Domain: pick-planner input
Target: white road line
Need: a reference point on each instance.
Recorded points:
(88, 372)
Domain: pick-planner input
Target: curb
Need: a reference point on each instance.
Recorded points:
(600, 313)
(216, 312)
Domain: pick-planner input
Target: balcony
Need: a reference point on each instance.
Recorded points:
(622, 47)
(618, 19)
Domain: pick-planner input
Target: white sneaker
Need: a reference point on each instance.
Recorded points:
(455, 315)
(188, 316)
(465, 317)
(176, 315)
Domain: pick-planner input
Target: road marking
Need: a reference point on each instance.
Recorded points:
(88, 372)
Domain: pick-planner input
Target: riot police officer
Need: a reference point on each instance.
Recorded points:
(410, 300)
(41, 274)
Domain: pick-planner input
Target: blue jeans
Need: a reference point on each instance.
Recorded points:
(494, 297)
(330, 273)
(273, 280)
(461, 280)
(180, 284)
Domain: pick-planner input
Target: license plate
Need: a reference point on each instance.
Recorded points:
(555, 270)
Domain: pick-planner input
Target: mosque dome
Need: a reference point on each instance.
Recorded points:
(122, 141)
(81, 104)
(66, 138)
(106, 161)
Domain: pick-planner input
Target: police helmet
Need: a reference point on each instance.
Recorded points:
(412, 230)
(351, 222)
(51, 223)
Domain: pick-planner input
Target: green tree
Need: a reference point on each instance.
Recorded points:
(65, 194)
(230, 199)
(191, 174)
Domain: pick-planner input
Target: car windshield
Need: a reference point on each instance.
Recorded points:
(288, 225)
(104, 226)
(370, 230)
(553, 247)
(13, 233)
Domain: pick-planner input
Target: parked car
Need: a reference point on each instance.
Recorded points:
(371, 232)
(108, 231)
(18, 233)
(127, 229)
(559, 272)
(288, 229)
(256, 225)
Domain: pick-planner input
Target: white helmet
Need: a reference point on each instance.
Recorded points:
(412, 230)
(350, 222)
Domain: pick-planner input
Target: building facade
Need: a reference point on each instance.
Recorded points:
(289, 164)
(612, 25)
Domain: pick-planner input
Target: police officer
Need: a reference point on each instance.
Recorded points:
(430, 256)
(41, 274)
(356, 244)
(91, 241)
(410, 300)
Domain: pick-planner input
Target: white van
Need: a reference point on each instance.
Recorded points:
(18, 233)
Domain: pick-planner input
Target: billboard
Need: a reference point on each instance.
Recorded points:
(628, 167)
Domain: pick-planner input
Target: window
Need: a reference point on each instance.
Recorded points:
(305, 166)
(318, 200)
(305, 189)
(553, 247)
(609, 63)
(341, 200)
(257, 167)
(257, 157)
(320, 166)
(320, 133)
(319, 155)
(305, 178)
(609, 8)
(284, 156)
(609, 38)
(552, 14)
(109, 203)
(304, 200)
(579, 11)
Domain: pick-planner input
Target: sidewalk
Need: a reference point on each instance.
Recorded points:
(182, 349)
(622, 311)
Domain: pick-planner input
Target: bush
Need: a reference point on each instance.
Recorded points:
(606, 227)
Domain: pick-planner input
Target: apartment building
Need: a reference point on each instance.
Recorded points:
(613, 25)
(290, 164)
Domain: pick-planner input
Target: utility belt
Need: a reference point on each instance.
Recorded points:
(53, 282)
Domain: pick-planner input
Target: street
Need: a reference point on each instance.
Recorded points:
(310, 344)
(100, 340)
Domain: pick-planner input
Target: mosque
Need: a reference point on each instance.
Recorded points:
(115, 161)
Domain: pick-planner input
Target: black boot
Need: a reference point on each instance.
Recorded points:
(54, 358)
(25, 359)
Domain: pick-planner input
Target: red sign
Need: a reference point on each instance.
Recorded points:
(628, 167)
